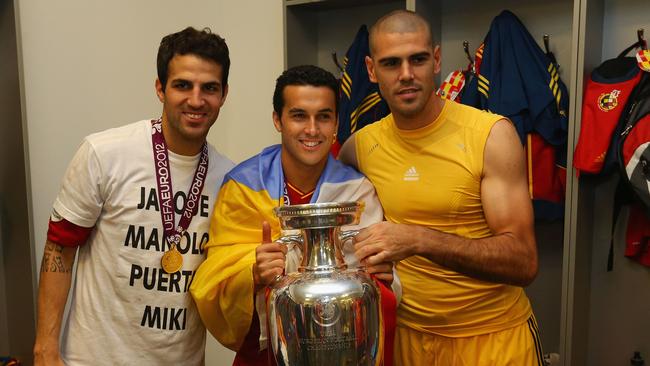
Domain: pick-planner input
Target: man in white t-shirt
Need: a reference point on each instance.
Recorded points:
(135, 202)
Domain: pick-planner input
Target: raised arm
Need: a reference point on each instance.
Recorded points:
(508, 256)
(269, 259)
(54, 285)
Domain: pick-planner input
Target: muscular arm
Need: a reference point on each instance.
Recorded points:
(55, 278)
(508, 256)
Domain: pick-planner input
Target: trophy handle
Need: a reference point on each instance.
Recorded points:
(288, 239)
(347, 235)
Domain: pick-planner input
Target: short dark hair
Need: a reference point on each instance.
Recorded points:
(399, 21)
(204, 44)
(303, 75)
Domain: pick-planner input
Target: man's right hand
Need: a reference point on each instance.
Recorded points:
(269, 259)
(53, 287)
(44, 358)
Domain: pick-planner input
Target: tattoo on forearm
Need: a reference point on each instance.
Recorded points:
(46, 260)
(53, 259)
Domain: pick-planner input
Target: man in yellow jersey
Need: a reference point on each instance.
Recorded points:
(452, 182)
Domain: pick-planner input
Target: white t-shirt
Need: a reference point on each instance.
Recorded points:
(125, 310)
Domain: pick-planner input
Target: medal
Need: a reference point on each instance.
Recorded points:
(172, 260)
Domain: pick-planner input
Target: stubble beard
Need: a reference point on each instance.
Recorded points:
(184, 133)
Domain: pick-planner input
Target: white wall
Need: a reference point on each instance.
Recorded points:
(90, 65)
(622, 19)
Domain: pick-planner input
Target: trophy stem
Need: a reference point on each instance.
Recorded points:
(320, 251)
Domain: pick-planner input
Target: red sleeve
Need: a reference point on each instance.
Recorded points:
(389, 314)
(67, 234)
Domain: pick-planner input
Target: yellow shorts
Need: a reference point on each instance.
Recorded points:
(518, 346)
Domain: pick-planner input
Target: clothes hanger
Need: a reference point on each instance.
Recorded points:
(336, 62)
(470, 67)
(546, 40)
(642, 42)
(549, 54)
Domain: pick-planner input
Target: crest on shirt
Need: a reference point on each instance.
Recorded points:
(608, 101)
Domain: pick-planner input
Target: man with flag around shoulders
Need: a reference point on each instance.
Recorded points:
(243, 259)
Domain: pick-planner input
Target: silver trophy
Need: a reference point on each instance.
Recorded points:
(324, 314)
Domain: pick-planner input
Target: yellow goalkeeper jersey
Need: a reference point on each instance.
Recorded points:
(432, 177)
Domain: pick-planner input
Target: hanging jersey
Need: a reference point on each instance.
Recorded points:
(546, 178)
(469, 95)
(545, 163)
(518, 81)
(360, 102)
(605, 97)
(431, 177)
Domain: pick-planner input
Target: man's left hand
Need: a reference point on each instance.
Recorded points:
(384, 242)
(382, 271)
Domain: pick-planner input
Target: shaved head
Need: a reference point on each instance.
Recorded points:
(399, 21)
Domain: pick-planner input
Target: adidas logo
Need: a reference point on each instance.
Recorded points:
(411, 174)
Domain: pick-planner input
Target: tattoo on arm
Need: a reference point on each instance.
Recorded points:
(53, 259)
